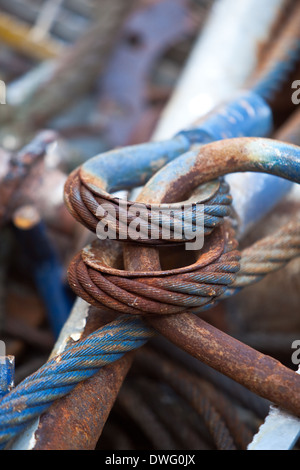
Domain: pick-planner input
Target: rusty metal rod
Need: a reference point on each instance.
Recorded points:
(80, 416)
(261, 374)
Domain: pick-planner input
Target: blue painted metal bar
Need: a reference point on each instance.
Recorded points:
(226, 156)
(247, 115)
(101, 172)
(46, 270)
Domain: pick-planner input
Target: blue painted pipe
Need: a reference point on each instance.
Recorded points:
(47, 273)
(247, 115)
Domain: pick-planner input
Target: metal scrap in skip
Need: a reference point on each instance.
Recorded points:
(149, 227)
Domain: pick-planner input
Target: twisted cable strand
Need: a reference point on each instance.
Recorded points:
(61, 374)
(154, 295)
(83, 203)
(269, 254)
(38, 391)
(80, 361)
(189, 388)
(137, 408)
(194, 291)
(165, 292)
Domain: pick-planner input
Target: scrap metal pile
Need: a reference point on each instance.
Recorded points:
(150, 229)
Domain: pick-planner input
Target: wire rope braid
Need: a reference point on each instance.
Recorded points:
(91, 209)
(61, 374)
(38, 391)
(165, 292)
(197, 286)
(90, 189)
(268, 255)
(86, 190)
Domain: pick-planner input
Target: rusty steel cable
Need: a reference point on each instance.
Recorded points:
(84, 204)
(195, 389)
(166, 292)
(81, 430)
(138, 409)
(269, 254)
(203, 325)
(201, 402)
(221, 157)
(60, 374)
(200, 340)
(191, 290)
(88, 188)
(191, 333)
(174, 412)
(231, 389)
(204, 331)
(204, 341)
(136, 292)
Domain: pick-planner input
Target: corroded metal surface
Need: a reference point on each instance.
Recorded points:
(191, 288)
(19, 166)
(90, 185)
(76, 421)
(144, 38)
(261, 374)
(150, 280)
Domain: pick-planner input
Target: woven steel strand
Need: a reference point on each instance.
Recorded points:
(267, 255)
(80, 361)
(61, 374)
(193, 291)
(16, 420)
(157, 295)
(223, 278)
(26, 413)
(221, 420)
(83, 204)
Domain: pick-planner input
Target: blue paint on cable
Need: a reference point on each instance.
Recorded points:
(7, 373)
(247, 114)
(61, 374)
